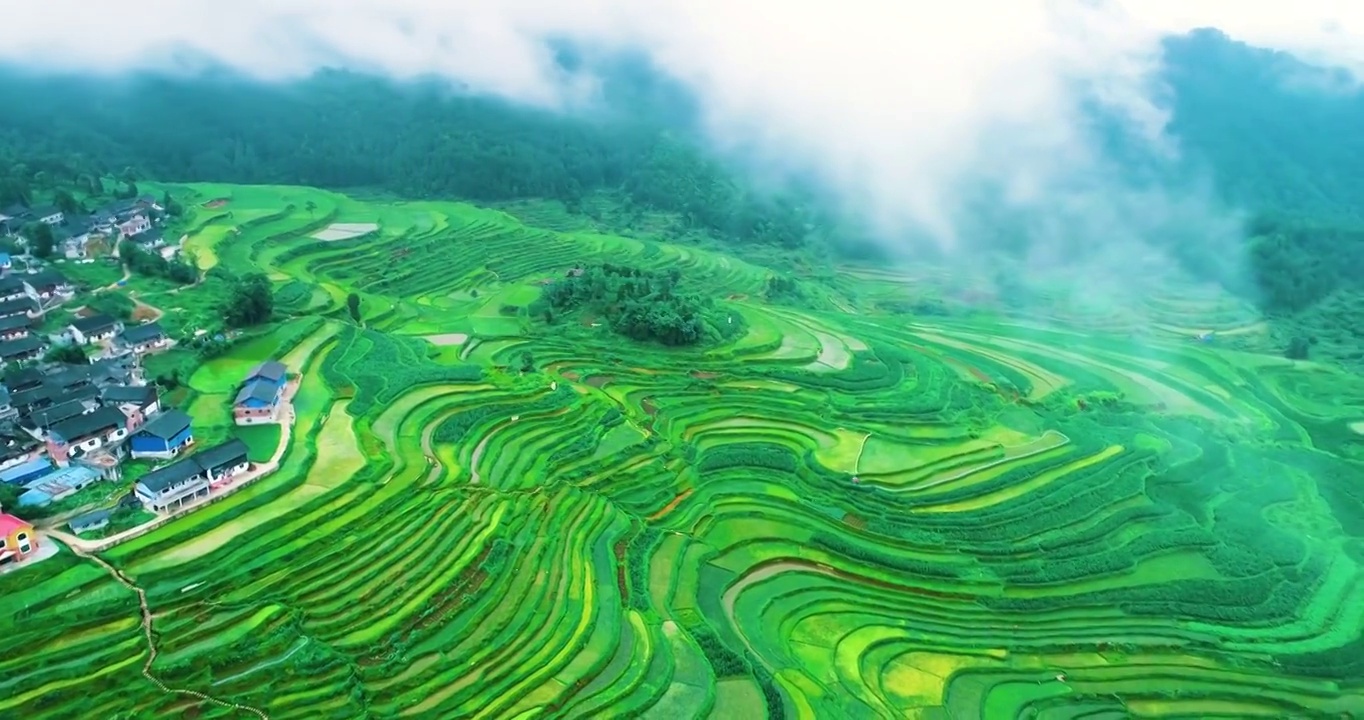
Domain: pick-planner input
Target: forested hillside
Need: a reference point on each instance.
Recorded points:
(341, 130)
(1279, 139)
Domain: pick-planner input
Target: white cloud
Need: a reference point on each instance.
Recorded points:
(897, 105)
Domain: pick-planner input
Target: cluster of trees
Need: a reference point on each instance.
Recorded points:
(784, 290)
(251, 300)
(146, 262)
(639, 304)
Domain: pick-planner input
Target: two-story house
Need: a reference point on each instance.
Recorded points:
(23, 305)
(13, 327)
(13, 287)
(22, 349)
(138, 402)
(85, 434)
(17, 539)
(192, 477)
(164, 436)
(170, 486)
(48, 284)
(50, 215)
(135, 225)
(259, 399)
(144, 338)
(93, 329)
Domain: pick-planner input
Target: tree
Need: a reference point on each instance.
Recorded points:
(67, 203)
(251, 302)
(311, 207)
(1298, 348)
(70, 354)
(40, 239)
(9, 496)
(353, 304)
(173, 207)
(527, 362)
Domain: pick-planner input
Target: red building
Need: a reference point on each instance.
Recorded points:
(17, 539)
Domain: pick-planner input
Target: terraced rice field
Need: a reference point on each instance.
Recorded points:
(839, 515)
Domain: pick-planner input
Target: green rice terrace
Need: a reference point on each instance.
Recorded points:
(495, 505)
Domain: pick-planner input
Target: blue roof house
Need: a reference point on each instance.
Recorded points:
(164, 436)
(23, 473)
(258, 400)
(5, 261)
(57, 486)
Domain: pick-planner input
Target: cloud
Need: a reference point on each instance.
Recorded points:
(904, 111)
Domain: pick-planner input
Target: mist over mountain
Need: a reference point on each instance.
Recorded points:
(1255, 181)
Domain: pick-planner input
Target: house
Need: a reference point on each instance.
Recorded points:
(59, 485)
(164, 436)
(222, 462)
(39, 421)
(135, 225)
(21, 349)
(85, 434)
(5, 261)
(259, 398)
(13, 287)
(74, 241)
(48, 284)
(192, 477)
(17, 539)
(143, 338)
(149, 202)
(26, 379)
(17, 447)
(89, 522)
(151, 239)
(27, 472)
(50, 215)
(93, 329)
(14, 327)
(170, 486)
(136, 401)
(23, 305)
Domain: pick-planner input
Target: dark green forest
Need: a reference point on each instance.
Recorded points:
(1279, 140)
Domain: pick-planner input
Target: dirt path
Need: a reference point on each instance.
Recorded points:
(151, 642)
(127, 274)
(157, 313)
(431, 459)
(238, 482)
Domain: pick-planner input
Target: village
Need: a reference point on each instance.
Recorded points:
(89, 454)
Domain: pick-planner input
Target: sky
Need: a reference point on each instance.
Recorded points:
(898, 106)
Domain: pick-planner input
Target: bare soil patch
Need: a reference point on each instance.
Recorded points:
(700, 375)
(447, 339)
(598, 381)
(215, 203)
(344, 231)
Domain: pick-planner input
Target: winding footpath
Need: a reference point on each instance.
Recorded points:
(151, 643)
